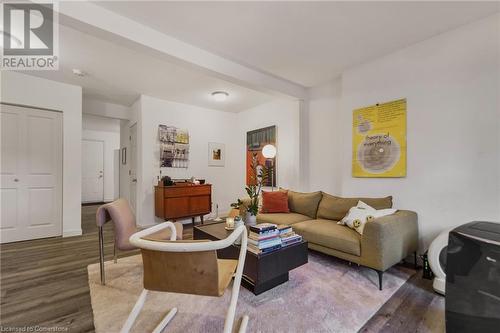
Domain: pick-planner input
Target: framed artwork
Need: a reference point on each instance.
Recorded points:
(216, 154)
(379, 140)
(174, 147)
(256, 140)
(124, 155)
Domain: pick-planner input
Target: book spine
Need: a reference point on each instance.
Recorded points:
(261, 230)
(263, 235)
(296, 241)
(271, 249)
(262, 238)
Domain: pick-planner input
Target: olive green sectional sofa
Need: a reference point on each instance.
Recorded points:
(385, 241)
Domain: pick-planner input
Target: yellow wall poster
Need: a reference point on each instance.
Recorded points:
(379, 140)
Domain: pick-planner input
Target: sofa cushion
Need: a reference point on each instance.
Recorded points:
(335, 208)
(330, 234)
(275, 202)
(281, 218)
(304, 203)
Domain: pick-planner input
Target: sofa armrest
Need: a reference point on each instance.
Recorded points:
(389, 239)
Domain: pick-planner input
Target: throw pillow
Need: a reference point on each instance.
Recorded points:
(335, 208)
(275, 202)
(358, 216)
(304, 203)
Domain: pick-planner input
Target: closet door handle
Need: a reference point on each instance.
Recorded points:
(16, 180)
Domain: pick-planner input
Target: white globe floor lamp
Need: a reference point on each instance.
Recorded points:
(269, 152)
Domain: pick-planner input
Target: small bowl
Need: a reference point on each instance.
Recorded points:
(202, 181)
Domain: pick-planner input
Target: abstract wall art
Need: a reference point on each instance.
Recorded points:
(256, 140)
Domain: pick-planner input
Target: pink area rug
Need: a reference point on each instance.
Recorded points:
(325, 295)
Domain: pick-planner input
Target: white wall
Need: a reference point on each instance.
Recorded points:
(107, 130)
(105, 109)
(285, 114)
(35, 92)
(451, 83)
(204, 126)
(325, 142)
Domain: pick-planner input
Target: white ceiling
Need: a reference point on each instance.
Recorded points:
(118, 74)
(308, 43)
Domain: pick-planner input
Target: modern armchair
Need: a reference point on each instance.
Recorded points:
(188, 267)
(124, 223)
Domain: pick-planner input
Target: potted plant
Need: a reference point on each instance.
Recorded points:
(258, 177)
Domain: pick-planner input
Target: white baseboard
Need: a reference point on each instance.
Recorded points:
(71, 233)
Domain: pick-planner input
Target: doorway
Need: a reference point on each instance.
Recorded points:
(92, 171)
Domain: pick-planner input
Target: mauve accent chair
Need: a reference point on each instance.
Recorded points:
(124, 226)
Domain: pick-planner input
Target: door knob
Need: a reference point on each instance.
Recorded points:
(16, 180)
(134, 180)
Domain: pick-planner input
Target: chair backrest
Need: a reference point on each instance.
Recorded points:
(181, 272)
(123, 218)
(188, 267)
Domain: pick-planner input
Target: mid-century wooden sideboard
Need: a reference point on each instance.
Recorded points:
(183, 201)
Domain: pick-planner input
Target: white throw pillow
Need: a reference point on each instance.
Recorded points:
(358, 216)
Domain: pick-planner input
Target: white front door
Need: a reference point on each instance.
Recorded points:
(133, 166)
(92, 171)
(30, 173)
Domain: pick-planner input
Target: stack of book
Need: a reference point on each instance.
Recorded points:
(288, 236)
(264, 238)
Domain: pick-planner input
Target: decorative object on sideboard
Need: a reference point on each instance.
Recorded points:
(167, 181)
(216, 154)
(174, 147)
(256, 141)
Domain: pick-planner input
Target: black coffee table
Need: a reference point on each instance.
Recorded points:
(261, 272)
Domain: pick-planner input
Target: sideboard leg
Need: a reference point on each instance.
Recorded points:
(201, 217)
(193, 219)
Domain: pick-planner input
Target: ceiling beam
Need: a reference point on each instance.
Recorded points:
(103, 23)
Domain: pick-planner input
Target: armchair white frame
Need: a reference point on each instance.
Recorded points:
(137, 239)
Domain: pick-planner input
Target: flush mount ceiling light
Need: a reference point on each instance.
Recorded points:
(78, 72)
(220, 96)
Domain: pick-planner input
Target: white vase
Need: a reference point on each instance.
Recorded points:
(250, 219)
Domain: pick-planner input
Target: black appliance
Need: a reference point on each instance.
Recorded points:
(473, 278)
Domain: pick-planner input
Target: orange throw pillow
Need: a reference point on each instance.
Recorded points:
(275, 202)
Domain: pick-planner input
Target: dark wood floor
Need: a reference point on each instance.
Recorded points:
(44, 283)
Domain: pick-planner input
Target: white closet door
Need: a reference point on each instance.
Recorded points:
(92, 171)
(31, 173)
